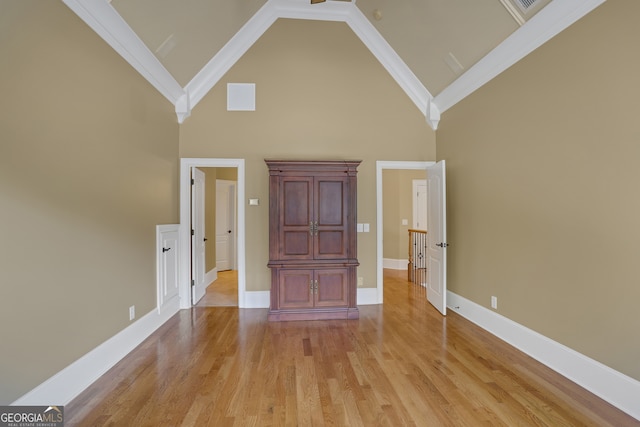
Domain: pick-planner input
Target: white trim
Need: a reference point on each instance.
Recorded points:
(65, 385)
(230, 53)
(394, 65)
(546, 24)
(346, 12)
(257, 299)
(367, 296)
(621, 391)
(108, 24)
(514, 12)
(185, 218)
(395, 264)
(380, 166)
(210, 277)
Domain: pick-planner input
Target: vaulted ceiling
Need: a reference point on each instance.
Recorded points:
(439, 51)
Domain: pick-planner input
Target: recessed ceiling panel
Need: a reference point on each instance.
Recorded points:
(427, 34)
(186, 34)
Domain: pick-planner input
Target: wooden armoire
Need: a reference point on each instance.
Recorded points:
(312, 239)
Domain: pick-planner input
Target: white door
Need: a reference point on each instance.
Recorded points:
(198, 238)
(225, 218)
(167, 238)
(420, 204)
(437, 237)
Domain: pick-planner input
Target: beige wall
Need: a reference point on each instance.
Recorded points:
(320, 94)
(543, 183)
(397, 193)
(88, 167)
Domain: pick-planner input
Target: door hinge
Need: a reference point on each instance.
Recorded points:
(193, 232)
(193, 181)
(193, 283)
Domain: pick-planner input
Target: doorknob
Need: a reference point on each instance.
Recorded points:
(205, 239)
(229, 231)
(165, 250)
(442, 245)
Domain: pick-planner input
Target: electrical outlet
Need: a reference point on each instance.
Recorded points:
(360, 282)
(494, 303)
(132, 312)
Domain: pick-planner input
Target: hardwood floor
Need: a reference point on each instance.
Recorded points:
(401, 363)
(223, 292)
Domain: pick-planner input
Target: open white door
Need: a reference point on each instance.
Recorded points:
(198, 239)
(437, 237)
(225, 218)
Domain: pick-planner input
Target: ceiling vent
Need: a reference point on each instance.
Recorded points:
(522, 10)
(525, 4)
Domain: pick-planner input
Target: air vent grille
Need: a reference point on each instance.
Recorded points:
(526, 4)
(522, 10)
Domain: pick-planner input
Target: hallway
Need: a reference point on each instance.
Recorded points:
(223, 292)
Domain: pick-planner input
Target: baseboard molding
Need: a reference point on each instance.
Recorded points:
(618, 389)
(257, 299)
(367, 296)
(395, 264)
(210, 277)
(64, 386)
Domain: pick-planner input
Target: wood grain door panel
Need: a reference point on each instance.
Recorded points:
(296, 218)
(332, 288)
(295, 289)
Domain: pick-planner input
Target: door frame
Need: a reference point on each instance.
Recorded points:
(380, 166)
(186, 164)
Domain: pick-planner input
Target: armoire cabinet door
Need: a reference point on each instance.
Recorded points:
(331, 288)
(295, 289)
(330, 237)
(296, 218)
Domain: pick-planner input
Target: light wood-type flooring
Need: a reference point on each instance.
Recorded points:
(400, 364)
(223, 292)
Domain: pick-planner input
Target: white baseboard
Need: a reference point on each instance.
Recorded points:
(210, 276)
(257, 299)
(618, 389)
(64, 386)
(367, 296)
(395, 264)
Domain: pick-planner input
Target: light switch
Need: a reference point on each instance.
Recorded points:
(366, 228)
(254, 202)
(405, 222)
(360, 228)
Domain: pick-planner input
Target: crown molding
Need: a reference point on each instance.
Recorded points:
(543, 26)
(230, 53)
(391, 61)
(108, 24)
(338, 11)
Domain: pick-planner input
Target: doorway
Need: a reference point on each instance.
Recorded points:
(187, 165)
(380, 167)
